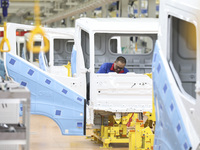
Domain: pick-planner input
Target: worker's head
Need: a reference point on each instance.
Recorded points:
(119, 64)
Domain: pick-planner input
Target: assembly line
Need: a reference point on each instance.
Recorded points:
(55, 73)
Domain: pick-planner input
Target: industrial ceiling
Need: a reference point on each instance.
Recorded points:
(51, 10)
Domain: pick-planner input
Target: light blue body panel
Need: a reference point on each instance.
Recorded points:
(73, 61)
(48, 96)
(170, 132)
(2, 69)
(42, 63)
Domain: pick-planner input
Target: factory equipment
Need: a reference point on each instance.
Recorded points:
(14, 131)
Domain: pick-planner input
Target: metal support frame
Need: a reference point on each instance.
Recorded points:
(14, 94)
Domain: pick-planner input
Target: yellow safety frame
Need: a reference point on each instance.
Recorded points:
(5, 40)
(35, 31)
(118, 131)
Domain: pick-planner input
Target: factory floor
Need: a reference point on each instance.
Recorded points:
(46, 135)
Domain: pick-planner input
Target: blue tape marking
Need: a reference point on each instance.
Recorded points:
(185, 145)
(58, 112)
(30, 72)
(23, 83)
(171, 107)
(12, 61)
(64, 91)
(178, 127)
(158, 68)
(79, 99)
(48, 81)
(165, 88)
(79, 124)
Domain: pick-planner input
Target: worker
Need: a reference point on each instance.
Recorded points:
(118, 66)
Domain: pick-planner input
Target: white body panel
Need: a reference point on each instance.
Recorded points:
(111, 93)
(122, 93)
(75, 83)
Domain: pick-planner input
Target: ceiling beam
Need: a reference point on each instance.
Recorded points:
(28, 4)
(15, 7)
(86, 6)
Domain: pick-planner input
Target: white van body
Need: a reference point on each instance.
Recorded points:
(58, 71)
(176, 79)
(114, 93)
(53, 95)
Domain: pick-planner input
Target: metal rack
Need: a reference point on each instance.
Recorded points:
(11, 131)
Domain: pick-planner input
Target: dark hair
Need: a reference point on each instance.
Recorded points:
(121, 59)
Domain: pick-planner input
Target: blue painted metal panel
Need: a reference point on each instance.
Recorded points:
(42, 61)
(170, 132)
(2, 69)
(48, 96)
(73, 61)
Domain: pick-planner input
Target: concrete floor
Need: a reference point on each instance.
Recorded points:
(46, 135)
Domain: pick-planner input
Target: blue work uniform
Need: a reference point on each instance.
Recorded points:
(109, 67)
